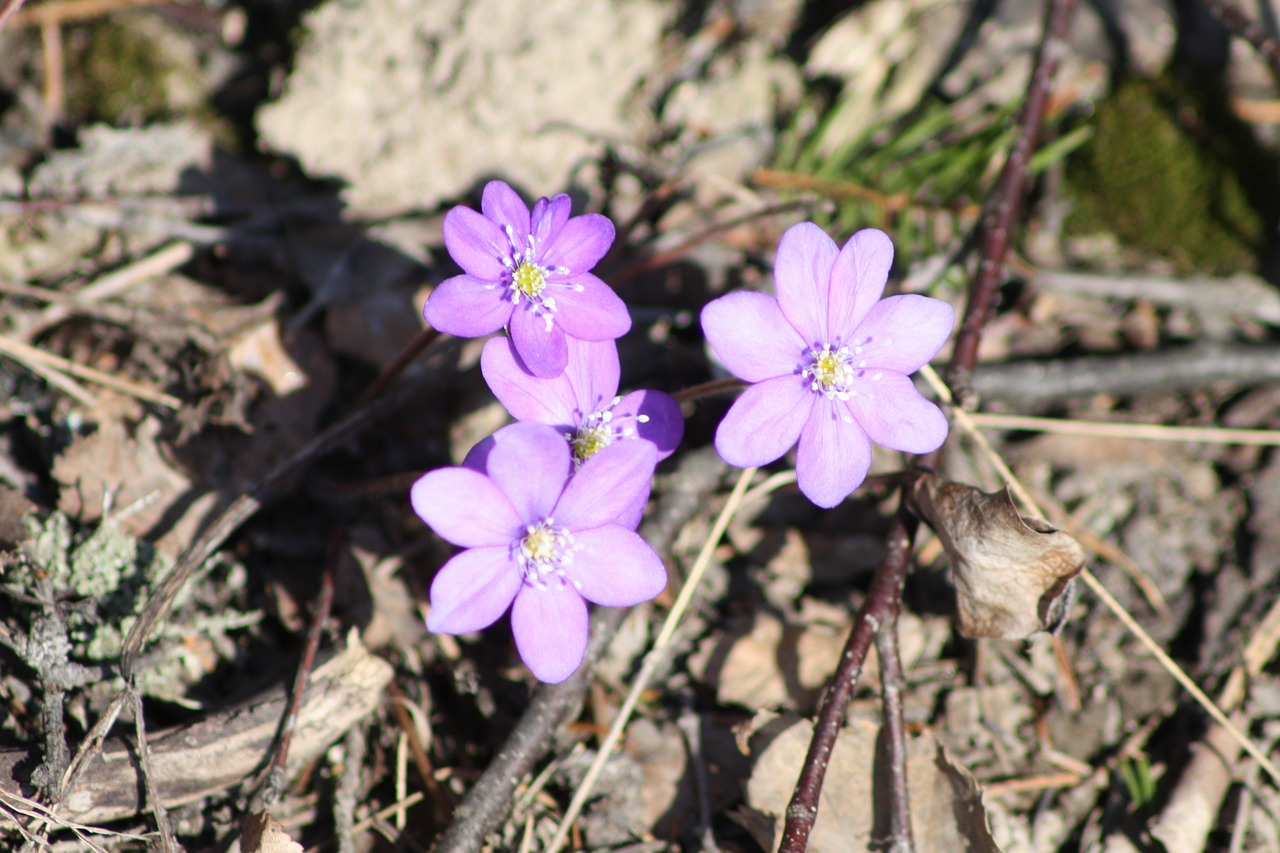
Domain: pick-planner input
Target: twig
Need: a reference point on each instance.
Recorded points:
(893, 735)
(31, 357)
(1010, 191)
(1249, 30)
(149, 780)
(1037, 384)
(114, 283)
(274, 781)
(490, 799)
(882, 597)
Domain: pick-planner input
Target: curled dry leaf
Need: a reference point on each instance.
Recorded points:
(1012, 573)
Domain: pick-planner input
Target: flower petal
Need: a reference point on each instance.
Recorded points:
(834, 455)
(550, 626)
(472, 590)
(802, 278)
(615, 567)
(595, 313)
(905, 331)
(751, 336)
(475, 243)
(467, 307)
(663, 426)
(477, 458)
(542, 350)
(504, 206)
(549, 216)
(525, 396)
(530, 463)
(465, 507)
(764, 422)
(593, 371)
(608, 486)
(895, 415)
(857, 281)
(580, 244)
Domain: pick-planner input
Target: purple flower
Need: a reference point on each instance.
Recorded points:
(830, 362)
(528, 271)
(582, 402)
(538, 537)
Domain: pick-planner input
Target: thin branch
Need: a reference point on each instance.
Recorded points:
(1010, 192)
(893, 735)
(882, 600)
(1038, 384)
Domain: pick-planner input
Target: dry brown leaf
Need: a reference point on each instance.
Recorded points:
(1012, 573)
(947, 813)
(131, 467)
(264, 834)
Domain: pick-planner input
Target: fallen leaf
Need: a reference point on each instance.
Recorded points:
(947, 812)
(1012, 573)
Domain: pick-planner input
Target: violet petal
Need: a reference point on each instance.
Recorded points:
(580, 244)
(504, 206)
(895, 415)
(595, 313)
(465, 507)
(542, 350)
(764, 422)
(525, 396)
(802, 278)
(615, 567)
(475, 243)
(857, 281)
(834, 455)
(664, 426)
(530, 463)
(751, 336)
(906, 331)
(608, 486)
(472, 590)
(467, 307)
(549, 216)
(550, 627)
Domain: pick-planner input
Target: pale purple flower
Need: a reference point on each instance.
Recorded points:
(529, 272)
(540, 541)
(583, 402)
(830, 362)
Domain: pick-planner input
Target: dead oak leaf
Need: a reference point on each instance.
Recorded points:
(1012, 573)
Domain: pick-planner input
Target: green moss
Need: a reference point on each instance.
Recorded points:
(122, 77)
(1165, 174)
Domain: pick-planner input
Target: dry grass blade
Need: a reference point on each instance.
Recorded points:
(1146, 432)
(966, 423)
(50, 365)
(651, 660)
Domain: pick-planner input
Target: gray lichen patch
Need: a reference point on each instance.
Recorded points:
(102, 580)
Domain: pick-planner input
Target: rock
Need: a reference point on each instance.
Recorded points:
(412, 103)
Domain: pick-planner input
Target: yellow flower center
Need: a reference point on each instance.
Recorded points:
(530, 279)
(589, 440)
